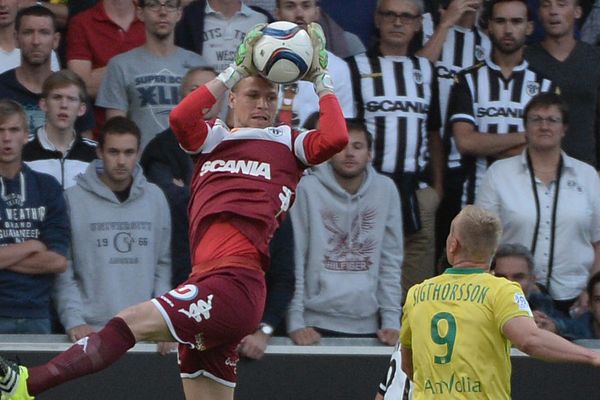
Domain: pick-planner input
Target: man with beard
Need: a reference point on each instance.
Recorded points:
(36, 37)
(348, 238)
(144, 83)
(487, 101)
(11, 54)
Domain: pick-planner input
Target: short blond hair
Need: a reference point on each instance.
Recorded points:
(478, 231)
(8, 108)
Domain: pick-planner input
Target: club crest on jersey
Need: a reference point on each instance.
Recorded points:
(274, 131)
(533, 88)
(479, 53)
(418, 77)
(185, 292)
(245, 167)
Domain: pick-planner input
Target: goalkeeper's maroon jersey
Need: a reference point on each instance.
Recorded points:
(249, 175)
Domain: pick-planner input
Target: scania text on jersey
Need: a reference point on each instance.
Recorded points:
(250, 167)
(499, 112)
(405, 106)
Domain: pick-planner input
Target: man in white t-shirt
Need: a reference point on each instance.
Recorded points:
(215, 29)
(300, 99)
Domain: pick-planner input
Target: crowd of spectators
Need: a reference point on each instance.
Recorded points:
(438, 100)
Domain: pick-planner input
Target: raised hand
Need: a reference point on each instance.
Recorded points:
(242, 66)
(318, 74)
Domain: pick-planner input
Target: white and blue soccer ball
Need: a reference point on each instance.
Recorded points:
(284, 53)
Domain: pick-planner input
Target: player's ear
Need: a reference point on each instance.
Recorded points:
(231, 99)
(452, 245)
(530, 28)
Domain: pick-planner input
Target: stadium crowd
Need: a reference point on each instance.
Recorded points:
(435, 96)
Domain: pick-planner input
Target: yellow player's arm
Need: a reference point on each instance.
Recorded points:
(527, 337)
(407, 364)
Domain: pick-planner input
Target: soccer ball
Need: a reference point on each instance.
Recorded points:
(284, 53)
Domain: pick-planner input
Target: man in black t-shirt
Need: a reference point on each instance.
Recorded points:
(24, 83)
(573, 66)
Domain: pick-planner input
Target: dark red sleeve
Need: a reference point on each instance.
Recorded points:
(187, 119)
(332, 135)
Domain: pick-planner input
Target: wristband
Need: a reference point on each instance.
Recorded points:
(231, 76)
(323, 83)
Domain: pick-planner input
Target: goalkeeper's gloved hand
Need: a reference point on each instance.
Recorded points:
(318, 74)
(242, 66)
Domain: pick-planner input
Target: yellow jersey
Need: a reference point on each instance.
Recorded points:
(453, 324)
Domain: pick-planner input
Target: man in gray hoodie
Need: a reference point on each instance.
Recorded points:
(349, 249)
(121, 233)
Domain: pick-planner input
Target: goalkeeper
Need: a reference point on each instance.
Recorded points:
(243, 186)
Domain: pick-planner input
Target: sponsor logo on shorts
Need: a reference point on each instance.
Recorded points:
(185, 292)
(232, 363)
(199, 309)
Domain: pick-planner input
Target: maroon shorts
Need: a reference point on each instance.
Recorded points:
(209, 315)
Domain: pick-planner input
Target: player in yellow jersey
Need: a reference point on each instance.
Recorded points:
(457, 328)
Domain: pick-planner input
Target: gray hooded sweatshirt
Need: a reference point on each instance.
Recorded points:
(349, 250)
(120, 252)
